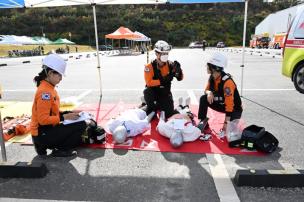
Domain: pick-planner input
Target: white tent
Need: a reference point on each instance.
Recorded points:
(277, 22)
(142, 37)
(16, 40)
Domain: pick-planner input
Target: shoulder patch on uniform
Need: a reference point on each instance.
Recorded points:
(46, 96)
(227, 91)
(147, 69)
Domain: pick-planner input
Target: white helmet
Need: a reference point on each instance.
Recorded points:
(219, 60)
(176, 139)
(162, 47)
(55, 62)
(120, 134)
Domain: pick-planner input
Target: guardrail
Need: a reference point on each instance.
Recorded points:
(274, 53)
(68, 56)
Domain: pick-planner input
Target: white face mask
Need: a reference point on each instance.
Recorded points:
(164, 58)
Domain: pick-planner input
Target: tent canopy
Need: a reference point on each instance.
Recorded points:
(122, 33)
(142, 37)
(16, 40)
(63, 41)
(42, 40)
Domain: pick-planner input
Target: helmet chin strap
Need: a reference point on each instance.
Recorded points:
(44, 68)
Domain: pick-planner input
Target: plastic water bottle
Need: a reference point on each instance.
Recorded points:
(222, 134)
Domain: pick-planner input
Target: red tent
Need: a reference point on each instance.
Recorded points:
(122, 33)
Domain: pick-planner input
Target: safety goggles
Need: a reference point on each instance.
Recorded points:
(165, 48)
(164, 53)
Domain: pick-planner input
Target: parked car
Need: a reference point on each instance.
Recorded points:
(220, 44)
(196, 44)
(105, 47)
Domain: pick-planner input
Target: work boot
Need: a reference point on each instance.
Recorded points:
(143, 102)
(207, 130)
(204, 126)
(63, 153)
(39, 148)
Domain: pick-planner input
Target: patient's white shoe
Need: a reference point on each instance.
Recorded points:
(187, 101)
(180, 101)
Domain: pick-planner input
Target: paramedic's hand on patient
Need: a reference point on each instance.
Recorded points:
(210, 97)
(71, 116)
(224, 127)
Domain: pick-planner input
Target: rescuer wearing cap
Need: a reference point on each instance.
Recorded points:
(221, 93)
(158, 77)
(46, 128)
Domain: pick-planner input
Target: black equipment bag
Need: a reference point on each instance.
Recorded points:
(255, 137)
(250, 135)
(267, 143)
(94, 134)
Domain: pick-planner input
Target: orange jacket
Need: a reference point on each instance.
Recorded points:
(229, 90)
(149, 74)
(45, 110)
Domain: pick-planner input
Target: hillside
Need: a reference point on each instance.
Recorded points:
(178, 24)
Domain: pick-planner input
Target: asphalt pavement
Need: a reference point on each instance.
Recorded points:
(269, 100)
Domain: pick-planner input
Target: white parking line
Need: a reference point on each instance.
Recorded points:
(82, 95)
(223, 184)
(222, 181)
(192, 97)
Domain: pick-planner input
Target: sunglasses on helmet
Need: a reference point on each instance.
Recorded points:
(165, 48)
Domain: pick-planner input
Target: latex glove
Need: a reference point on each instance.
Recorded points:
(210, 97)
(177, 70)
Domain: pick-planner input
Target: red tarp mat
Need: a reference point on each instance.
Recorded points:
(153, 141)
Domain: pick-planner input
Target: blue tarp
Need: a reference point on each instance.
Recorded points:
(202, 1)
(11, 3)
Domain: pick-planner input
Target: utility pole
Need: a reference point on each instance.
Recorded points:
(43, 34)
